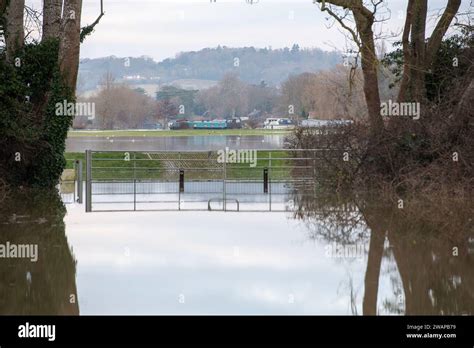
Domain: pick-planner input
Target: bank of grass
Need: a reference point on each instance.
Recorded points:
(175, 133)
(275, 161)
(115, 166)
(118, 165)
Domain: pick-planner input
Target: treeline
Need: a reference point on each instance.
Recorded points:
(321, 95)
(252, 64)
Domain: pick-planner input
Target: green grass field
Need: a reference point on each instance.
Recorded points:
(175, 133)
(118, 165)
(198, 166)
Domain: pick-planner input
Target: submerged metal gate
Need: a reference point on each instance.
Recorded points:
(240, 180)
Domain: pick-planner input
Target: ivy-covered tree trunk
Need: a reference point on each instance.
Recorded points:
(35, 77)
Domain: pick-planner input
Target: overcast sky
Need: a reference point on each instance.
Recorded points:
(162, 28)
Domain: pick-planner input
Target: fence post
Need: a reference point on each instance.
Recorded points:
(74, 190)
(265, 180)
(134, 194)
(269, 178)
(181, 180)
(79, 181)
(134, 181)
(224, 183)
(314, 173)
(88, 181)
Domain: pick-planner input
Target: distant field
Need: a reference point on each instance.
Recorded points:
(175, 133)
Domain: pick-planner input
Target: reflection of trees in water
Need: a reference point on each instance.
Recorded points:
(421, 240)
(332, 218)
(396, 303)
(44, 287)
(434, 280)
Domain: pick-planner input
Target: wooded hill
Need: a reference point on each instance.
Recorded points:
(252, 65)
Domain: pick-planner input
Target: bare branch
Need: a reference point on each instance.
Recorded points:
(340, 20)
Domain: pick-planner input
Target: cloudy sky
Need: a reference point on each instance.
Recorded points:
(162, 28)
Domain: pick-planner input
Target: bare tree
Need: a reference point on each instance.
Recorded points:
(363, 37)
(325, 95)
(419, 54)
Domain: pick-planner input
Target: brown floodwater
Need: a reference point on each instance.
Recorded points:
(324, 256)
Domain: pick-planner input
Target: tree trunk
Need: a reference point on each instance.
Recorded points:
(419, 56)
(14, 30)
(418, 38)
(466, 103)
(364, 19)
(3, 7)
(369, 69)
(69, 48)
(407, 63)
(51, 18)
(441, 28)
(364, 22)
(372, 274)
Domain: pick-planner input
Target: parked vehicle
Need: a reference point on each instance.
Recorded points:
(180, 124)
(214, 124)
(278, 123)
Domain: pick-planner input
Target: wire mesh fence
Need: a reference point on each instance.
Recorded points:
(230, 180)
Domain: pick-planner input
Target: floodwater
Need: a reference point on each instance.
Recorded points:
(325, 256)
(197, 195)
(174, 143)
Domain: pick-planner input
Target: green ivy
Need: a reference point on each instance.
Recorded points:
(31, 128)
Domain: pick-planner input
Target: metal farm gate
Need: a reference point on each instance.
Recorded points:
(240, 180)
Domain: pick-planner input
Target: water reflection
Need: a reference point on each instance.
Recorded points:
(47, 286)
(420, 259)
(332, 254)
(175, 143)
